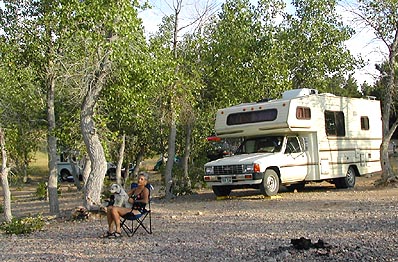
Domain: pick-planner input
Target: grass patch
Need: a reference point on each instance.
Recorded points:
(38, 168)
(40, 160)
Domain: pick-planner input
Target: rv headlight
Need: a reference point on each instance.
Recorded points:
(209, 170)
(248, 168)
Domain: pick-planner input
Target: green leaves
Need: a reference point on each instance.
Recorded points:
(316, 43)
(242, 52)
(245, 53)
(25, 225)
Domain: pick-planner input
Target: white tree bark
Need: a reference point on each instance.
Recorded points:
(170, 160)
(94, 184)
(86, 168)
(4, 179)
(187, 152)
(95, 83)
(120, 162)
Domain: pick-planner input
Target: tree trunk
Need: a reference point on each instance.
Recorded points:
(388, 173)
(168, 176)
(4, 179)
(25, 169)
(185, 159)
(96, 154)
(52, 146)
(138, 159)
(120, 162)
(93, 187)
(86, 169)
(170, 159)
(75, 173)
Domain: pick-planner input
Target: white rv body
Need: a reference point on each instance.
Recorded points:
(338, 138)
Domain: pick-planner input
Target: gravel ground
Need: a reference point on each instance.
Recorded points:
(356, 225)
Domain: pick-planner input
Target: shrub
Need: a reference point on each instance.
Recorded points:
(23, 225)
(41, 190)
(1, 209)
(15, 179)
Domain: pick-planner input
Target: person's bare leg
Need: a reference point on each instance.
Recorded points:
(110, 219)
(117, 213)
(116, 218)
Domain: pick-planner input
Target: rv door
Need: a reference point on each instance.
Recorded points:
(295, 161)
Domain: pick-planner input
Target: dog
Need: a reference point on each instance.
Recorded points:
(121, 199)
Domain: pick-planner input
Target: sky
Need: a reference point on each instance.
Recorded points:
(362, 44)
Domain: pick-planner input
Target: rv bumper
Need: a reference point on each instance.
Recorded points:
(241, 179)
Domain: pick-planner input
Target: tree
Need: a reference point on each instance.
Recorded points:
(24, 115)
(171, 96)
(242, 53)
(106, 32)
(40, 38)
(342, 86)
(177, 85)
(382, 17)
(21, 97)
(4, 178)
(127, 109)
(189, 48)
(49, 22)
(315, 44)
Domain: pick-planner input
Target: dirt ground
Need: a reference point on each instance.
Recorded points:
(359, 224)
(25, 203)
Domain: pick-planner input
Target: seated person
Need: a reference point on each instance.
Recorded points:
(139, 197)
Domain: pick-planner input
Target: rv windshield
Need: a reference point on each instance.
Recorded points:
(266, 144)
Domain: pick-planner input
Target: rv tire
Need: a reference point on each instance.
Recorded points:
(270, 184)
(348, 181)
(65, 174)
(221, 190)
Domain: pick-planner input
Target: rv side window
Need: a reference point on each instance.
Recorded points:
(364, 123)
(292, 145)
(334, 123)
(252, 117)
(303, 113)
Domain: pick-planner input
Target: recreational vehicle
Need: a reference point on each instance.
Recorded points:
(303, 137)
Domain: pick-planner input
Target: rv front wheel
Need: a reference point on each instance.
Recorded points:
(348, 181)
(221, 190)
(270, 184)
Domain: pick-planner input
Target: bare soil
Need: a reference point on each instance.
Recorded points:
(359, 224)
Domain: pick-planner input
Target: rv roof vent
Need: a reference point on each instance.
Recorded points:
(298, 92)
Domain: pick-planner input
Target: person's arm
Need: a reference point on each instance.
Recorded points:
(131, 192)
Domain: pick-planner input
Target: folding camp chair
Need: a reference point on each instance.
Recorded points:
(137, 220)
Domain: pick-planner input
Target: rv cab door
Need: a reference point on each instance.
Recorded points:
(294, 164)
